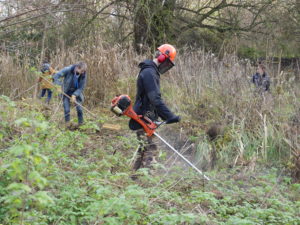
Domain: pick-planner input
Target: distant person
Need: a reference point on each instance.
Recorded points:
(74, 81)
(46, 81)
(261, 79)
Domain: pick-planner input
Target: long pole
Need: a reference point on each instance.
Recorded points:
(69, 97)
(181, 156)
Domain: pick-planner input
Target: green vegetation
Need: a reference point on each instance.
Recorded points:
(246, 141)
(49, 175)
(250, 53)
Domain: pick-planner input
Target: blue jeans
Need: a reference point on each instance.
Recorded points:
(49, 94)
(66, 102)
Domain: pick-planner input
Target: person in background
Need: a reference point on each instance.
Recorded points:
(150, 104)
(74, 81)
(261, 79)
(46, 81)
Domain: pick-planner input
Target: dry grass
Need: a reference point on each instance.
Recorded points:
(108, 70)
(203, 88)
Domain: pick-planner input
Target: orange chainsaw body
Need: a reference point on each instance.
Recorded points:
(122, 105)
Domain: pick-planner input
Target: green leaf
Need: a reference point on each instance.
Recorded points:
(19, 187)
(7, 100)
(41, 126)
(37, 179)
(40, 159)
(42, 199)
(21, 150)
(23, 122)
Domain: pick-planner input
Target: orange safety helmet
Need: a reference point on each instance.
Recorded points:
(168, 50)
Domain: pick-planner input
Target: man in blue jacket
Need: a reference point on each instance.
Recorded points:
(149, 102)
(74, 81)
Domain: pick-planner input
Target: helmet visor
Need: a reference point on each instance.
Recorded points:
(165, 66)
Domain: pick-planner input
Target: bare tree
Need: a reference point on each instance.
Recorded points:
(39, 25)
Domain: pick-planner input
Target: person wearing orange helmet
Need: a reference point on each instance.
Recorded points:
(149, 102)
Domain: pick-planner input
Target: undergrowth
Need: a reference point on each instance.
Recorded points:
(49, 175)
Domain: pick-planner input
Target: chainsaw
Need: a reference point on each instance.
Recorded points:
(122, 105)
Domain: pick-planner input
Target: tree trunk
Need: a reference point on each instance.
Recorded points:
(152, 23)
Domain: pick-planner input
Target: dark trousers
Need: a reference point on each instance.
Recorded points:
(147, 151)
(66, 102)
(49, 94)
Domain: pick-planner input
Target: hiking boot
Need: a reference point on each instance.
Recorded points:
(71, 126)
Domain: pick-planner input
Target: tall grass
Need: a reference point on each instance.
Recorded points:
(255, 127)
(202, 87)
(106, 69)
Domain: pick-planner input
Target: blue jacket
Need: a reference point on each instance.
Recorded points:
(261, 81)
(148, 98)
(68, 74)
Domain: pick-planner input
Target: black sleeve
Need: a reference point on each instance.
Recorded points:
(153, 93)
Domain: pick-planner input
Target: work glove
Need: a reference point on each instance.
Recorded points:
(174, 119)
(73, 99)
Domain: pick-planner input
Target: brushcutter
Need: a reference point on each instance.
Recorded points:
(122, 105)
